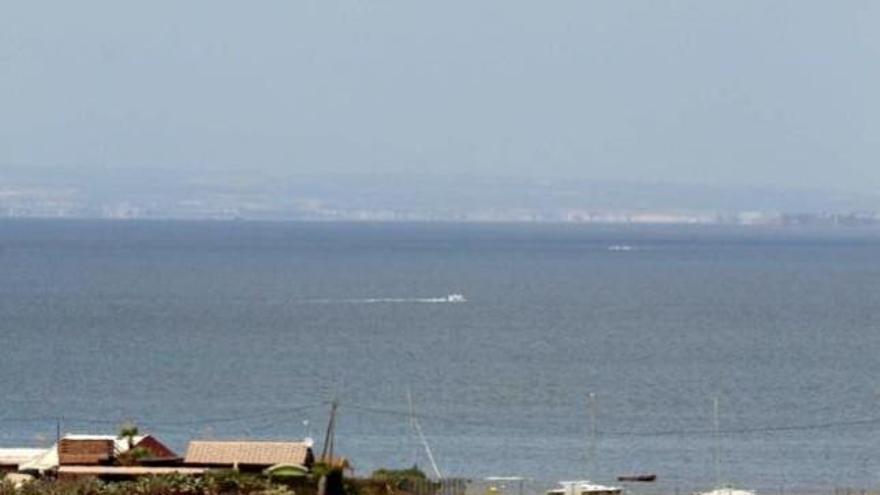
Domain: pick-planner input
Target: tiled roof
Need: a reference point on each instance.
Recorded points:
(247, 452)
(49, 460)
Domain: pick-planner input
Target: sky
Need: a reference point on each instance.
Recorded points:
(747, 92)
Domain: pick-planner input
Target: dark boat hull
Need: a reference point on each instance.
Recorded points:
(638, 478)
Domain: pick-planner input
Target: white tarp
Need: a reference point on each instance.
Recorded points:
(49, 459)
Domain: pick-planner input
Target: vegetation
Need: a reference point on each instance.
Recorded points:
(409, 480)
(128, 432)
(229, 482)
(133, 454)
(397, 475)
(220, 483)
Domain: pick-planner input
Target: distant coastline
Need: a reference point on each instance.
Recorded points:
(427, 198)
(574, 217)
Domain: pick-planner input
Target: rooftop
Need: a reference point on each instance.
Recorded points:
(247, 452)
(19, 455)
(48, 458)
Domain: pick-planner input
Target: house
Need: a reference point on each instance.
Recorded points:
(96, 450)
(252, 456)
(11, 459)
(86, 451)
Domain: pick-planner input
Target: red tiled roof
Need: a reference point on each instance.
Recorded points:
(247, 452)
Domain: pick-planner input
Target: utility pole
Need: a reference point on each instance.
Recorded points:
(330, 434)
(591, 442)
(717, 452)
(412, 425)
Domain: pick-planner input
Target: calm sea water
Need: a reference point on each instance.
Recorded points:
(232, 330)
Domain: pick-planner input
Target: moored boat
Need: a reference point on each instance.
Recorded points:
(637, 478)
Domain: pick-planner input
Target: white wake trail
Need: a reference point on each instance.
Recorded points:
(451, 298)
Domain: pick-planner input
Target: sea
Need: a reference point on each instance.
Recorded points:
(577, 351)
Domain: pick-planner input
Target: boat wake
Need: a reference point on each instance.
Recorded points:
(451, 298)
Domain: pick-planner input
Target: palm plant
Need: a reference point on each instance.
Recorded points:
(128, 432)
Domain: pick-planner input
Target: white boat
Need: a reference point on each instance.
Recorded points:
(587, 487)
(621, 247)
(584, 487)
(723, 489)
(455, 298)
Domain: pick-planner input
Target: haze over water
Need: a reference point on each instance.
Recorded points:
(231, 330)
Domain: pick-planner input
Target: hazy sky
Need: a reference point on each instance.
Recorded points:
(779, 93)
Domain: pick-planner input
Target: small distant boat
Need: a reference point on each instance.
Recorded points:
(455, 298)
(584, 487)
(621, 247)
(637, 478)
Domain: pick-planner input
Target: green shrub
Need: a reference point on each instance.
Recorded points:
(174, 484)
(234, 483)
(73, 487)
(214, 483)
(6, 487)
(413, 473)
(409, 480)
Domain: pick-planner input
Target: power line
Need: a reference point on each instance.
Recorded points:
(828, 425)
(232, 419)
(281, 412)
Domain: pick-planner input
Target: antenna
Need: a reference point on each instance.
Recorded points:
(414, 422)
(717, 450)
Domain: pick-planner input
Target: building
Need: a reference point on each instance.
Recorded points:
(11, 459)
(97, 450)
(251, 456)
